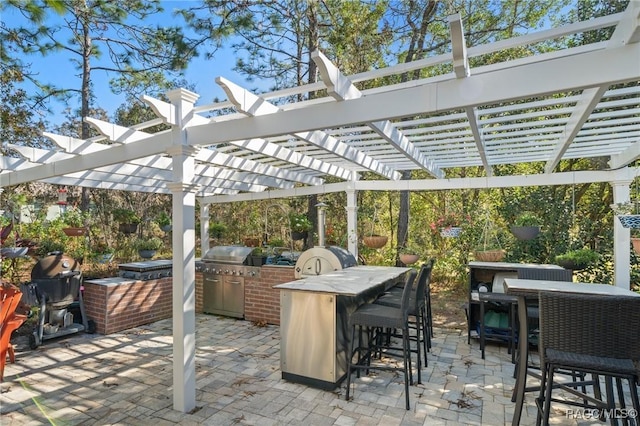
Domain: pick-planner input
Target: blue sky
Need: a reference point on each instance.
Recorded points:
(57, 69)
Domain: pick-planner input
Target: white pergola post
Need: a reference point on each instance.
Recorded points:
(184, 253)
(352, 221)
(204, 228)
(621, 238)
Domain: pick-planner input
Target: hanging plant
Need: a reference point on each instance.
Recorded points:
(628, 214)
(489, 249)
(374, 240)
(577, 259)
(526, 226)
(449, 225)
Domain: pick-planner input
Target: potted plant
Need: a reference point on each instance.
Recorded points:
(577, 259)
(258, 257)
(217, 230)
(102, 253)
(526, 226)
(628, 214)
(127, 218)
(635, 242)
(489, 248)
(75, 222)
(300, 226)
(447, 225)
(374, 240)
(47, 246)
(408, 255)
(164, 221)
(147, 247)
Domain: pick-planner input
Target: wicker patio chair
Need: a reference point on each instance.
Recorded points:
(591, 334)
(374, 319)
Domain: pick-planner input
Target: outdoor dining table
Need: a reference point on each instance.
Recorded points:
(531, 288)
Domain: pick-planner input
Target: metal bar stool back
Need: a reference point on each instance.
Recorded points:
(376, 318)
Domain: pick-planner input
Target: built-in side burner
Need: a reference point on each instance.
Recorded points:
(148, 270)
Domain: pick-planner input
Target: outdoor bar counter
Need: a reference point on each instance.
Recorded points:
(314, 320)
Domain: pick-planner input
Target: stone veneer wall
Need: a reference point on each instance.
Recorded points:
(127, 304)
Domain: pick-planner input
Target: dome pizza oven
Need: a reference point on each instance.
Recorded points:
(323, 259)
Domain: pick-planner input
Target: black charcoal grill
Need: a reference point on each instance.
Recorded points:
(56, 281)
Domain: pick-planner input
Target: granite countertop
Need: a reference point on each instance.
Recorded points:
(348, 281)
(505, 265)
(110, 281)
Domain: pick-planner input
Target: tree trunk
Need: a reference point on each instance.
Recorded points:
(414, 52)
(86, 93)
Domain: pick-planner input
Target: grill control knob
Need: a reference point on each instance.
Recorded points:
(226, 271)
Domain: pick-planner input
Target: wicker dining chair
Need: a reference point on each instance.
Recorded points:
(591, 334)
(371, 320)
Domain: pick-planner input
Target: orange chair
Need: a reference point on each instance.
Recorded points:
(9, 321)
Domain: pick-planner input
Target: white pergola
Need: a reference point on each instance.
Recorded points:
(578, 102)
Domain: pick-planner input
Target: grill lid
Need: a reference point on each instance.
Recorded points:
(150, 265)
(55, 265)
(322, 260)
(228, 254)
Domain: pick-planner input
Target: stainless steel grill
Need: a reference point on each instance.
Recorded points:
(223, 271)
(143, 271)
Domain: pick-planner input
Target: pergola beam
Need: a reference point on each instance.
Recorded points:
(610, 66)
(547, 179)
(341, 88)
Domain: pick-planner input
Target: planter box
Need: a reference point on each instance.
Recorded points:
(525, 232)
(636, 245)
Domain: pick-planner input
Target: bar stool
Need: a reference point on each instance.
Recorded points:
(376, 318)
(417, 320)
(419, 317)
